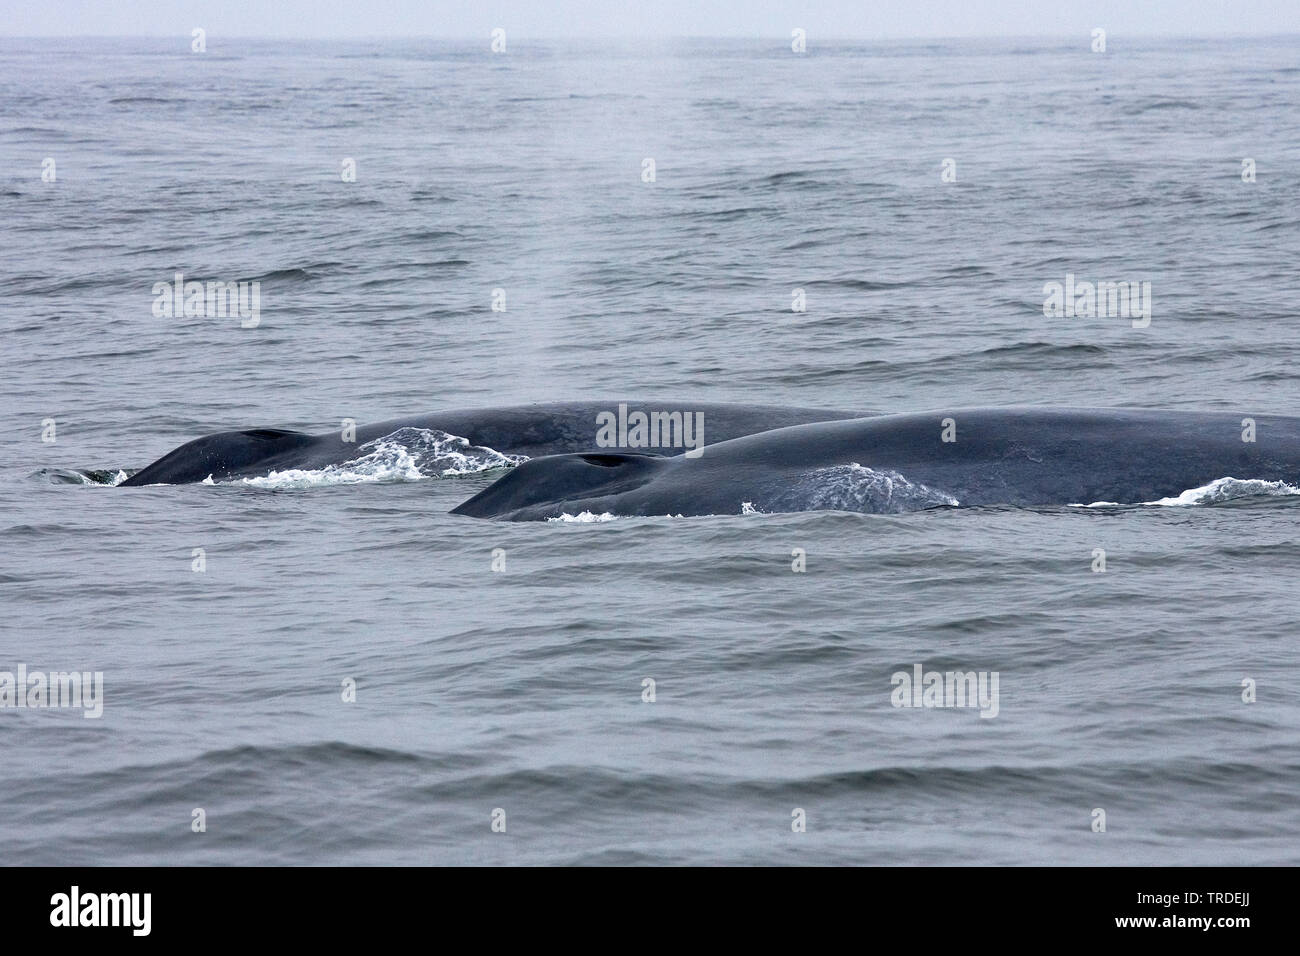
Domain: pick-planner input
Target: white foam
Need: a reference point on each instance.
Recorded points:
(585, 517)
(97, 479)
(1219, 490)
(408, 454)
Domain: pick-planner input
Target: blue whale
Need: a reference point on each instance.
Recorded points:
(519, 430)
(1022, 457)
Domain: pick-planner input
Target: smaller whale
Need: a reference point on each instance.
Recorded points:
(1023, 457)
(512, 431)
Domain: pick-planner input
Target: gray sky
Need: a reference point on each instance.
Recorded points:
(539, 18)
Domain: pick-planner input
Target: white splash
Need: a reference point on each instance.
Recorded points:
(1219, 490)
(408, 454)
(98, 479)
(585, 517)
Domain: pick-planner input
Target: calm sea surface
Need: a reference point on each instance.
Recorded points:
(519, 693)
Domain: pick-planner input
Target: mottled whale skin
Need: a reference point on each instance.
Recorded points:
(530, 430)
(1022, 457)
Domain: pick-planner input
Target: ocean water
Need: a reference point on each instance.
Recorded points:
(518, 695)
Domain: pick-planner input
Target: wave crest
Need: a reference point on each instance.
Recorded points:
(1216, 492)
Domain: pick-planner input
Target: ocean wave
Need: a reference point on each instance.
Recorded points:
(146, 101)
(294, 274)
(1216, 492)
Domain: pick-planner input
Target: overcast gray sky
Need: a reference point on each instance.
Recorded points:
(540, 18)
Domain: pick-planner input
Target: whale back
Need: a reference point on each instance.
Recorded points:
(531, 431)
(1019, 457)
(220, 456)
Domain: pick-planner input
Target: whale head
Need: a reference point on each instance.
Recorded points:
(557, 484)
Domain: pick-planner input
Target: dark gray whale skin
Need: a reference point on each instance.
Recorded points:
(1021, 457)
(531, 430)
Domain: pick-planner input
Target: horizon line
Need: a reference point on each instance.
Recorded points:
(1217, 34)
